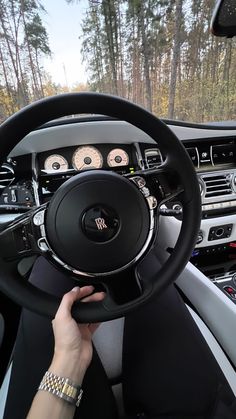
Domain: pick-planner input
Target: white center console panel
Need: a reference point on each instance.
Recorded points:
(216, 310)
(170, 228)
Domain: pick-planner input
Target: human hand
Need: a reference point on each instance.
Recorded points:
(73, 341)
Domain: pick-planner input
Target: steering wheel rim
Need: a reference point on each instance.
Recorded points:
(38, 113)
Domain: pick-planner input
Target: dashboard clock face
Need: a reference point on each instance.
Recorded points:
(87, 157)
(117, 157)
(56, 163)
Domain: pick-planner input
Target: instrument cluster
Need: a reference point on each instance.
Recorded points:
(85, 157)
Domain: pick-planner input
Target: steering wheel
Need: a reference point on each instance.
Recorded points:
(100, 224)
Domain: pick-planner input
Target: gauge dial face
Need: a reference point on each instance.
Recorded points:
(117, 157)
(56, 163)
(87, 157)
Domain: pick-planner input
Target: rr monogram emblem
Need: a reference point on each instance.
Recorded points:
(100, 223)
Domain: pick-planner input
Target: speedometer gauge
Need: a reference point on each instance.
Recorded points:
(56, 163)
(117, 157)
(87, 157)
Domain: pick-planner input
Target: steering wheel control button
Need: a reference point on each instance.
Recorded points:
(145, 191)
(38, 218)
(100, 224)
(152, 202)
(139, 181)
(42, 245)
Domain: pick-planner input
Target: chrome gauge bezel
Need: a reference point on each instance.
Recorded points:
(56, 157)
(119, 151)
(87, 166)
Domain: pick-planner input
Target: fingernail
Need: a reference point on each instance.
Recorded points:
(75, 289)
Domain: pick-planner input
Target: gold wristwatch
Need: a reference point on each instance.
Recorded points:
(62, 388)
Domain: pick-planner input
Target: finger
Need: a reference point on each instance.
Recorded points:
(86, 291)
(70, 298)
(98, 296)
(67, 301)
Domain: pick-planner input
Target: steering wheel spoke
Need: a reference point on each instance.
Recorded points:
(159, 185)
(119, 295)
(22, 237)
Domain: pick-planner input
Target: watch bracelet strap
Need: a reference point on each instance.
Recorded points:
(61, 387)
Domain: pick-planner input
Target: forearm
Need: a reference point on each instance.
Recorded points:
(72, 356)
(47, 405)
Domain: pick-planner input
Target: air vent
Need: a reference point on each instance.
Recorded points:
(217, 185)
(6, 176)
(153, 158)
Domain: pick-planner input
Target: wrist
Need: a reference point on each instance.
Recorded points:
(68, 366)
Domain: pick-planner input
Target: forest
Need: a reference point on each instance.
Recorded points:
(157, 53)
(23, 40)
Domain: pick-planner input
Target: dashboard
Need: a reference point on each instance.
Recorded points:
(55, 166)
(49, 156)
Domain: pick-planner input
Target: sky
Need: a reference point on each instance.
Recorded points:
(63, 24)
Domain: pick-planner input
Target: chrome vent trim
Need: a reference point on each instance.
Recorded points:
(217, 185)
(150, 154)
(6, 176)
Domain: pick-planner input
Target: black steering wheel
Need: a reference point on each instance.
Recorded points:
(100, 224)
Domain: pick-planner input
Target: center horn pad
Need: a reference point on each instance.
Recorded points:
(97, 222)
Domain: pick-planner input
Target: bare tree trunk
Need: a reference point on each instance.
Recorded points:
(146, 60)
(121, 54)
(16, 25)
(134, 84)
(99, 62)
(109, 33)
(34, 78)
(39, 74)
(6, 38)
(226, 73)
(10, 108)
(175, 58)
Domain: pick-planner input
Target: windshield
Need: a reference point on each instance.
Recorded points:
(157, 53)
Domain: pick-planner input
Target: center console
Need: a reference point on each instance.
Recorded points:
(218, 263)
(215, 251)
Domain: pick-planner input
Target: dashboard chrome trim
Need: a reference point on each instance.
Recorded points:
(211, 156)
(198, 157)
(8, 167)
(226, 197)
(35, 184)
